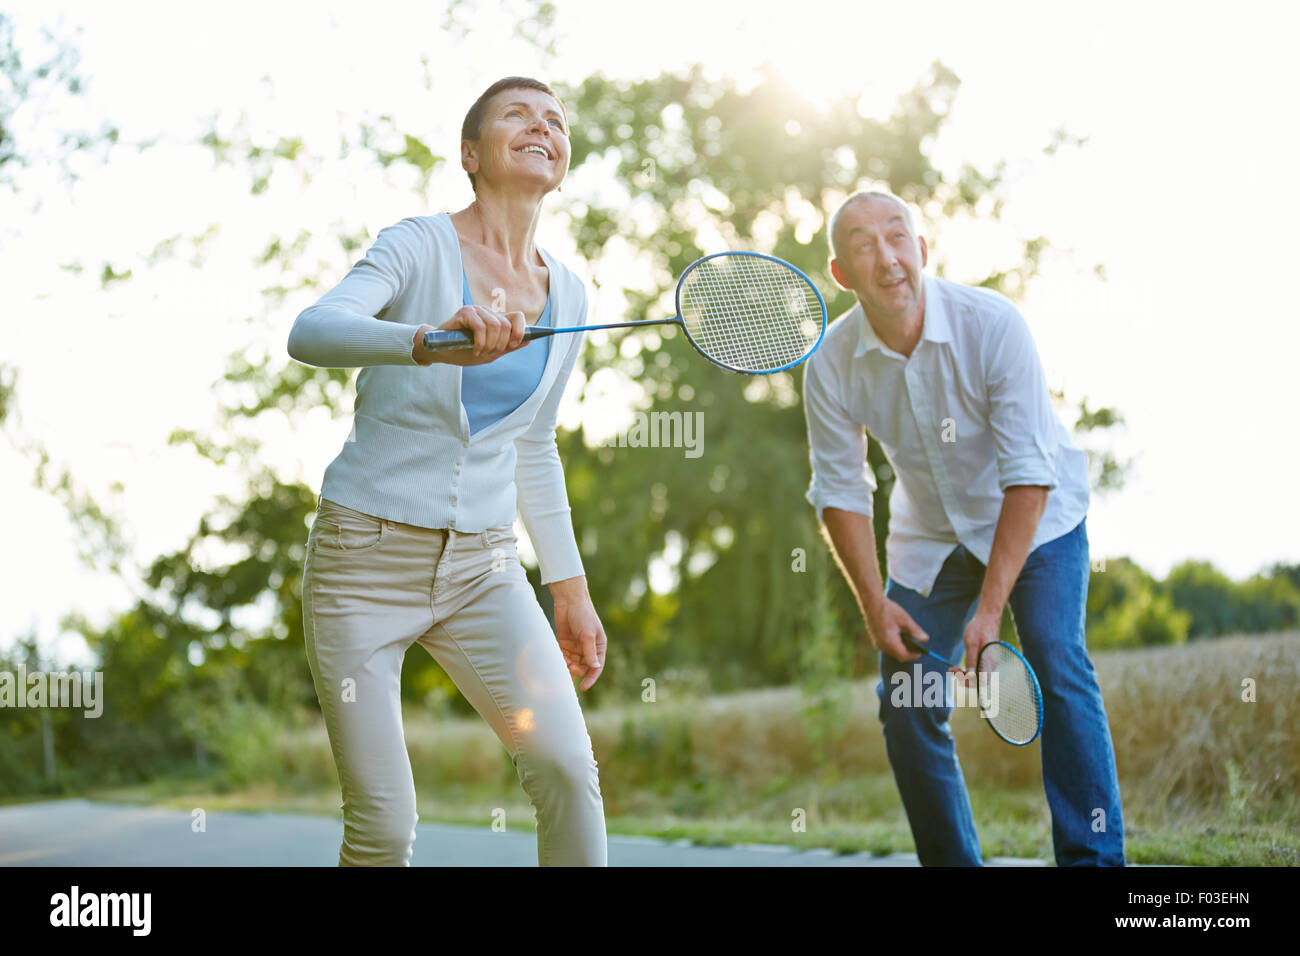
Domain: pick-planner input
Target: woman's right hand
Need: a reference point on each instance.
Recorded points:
(495, 334)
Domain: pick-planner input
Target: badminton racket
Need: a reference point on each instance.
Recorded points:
(743, 311)
(1009, 696)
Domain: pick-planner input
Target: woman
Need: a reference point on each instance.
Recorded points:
(413, 538)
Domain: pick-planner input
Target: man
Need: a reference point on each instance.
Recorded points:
(988, 508)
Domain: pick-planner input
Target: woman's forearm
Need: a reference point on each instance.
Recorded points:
(330, 336)
(570, 590)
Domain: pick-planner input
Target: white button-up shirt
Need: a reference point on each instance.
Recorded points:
(967, 415)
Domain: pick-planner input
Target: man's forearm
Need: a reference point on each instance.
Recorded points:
(852, 538)
(1022, 508)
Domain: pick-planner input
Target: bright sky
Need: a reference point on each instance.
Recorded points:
(1183, 191)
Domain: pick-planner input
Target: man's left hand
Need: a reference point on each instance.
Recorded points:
(983, 628)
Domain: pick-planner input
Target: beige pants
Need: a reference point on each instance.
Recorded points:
(373, 586)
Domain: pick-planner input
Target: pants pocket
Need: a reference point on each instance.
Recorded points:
(340, 529)
(502, 536)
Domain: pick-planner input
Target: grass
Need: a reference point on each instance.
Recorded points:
(1207, 778)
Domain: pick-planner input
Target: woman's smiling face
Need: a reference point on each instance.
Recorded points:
(524, 140)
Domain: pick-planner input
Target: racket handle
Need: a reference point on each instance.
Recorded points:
(907, 639)
(451, 340)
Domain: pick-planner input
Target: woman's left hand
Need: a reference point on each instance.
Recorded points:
(578, 630)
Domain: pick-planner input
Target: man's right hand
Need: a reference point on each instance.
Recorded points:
(494, 334)
(885, 621)
(853, 541)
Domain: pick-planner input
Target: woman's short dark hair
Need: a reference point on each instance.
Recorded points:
(472, 128)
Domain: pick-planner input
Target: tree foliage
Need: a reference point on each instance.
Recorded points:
(1128, 608)
(25, 88)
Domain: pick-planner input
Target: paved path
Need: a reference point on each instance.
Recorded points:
(82, 833)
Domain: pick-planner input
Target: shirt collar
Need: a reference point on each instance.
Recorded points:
(937, 326)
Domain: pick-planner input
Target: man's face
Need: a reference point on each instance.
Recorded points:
(880, 258)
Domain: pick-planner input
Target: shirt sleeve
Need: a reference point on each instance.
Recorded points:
(539, 479)
(1021, 415)
(837, 447)
(345, 327)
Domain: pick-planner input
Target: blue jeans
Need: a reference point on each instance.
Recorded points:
(1048, 604)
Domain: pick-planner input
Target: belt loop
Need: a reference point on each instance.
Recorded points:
(444, 561)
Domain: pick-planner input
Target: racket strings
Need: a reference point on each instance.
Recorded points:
(751, 313)
(1009, 696)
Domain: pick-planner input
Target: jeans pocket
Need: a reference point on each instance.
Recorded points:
(343, 530)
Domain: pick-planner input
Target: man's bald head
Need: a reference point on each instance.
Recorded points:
(879, 256)
(875, 196)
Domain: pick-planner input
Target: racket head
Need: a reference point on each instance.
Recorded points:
(1009, 696)
(749, 312)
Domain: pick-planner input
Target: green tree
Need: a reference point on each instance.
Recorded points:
(33, 83)
(1147, 618)
(1206, 594)
(1266, 602)
(1127, 608)
(30, 83)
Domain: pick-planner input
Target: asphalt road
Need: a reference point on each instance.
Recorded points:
(82, 833)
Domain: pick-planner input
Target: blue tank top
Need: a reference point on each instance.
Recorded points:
(491, 392)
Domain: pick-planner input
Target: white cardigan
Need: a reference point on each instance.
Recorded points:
(410, 457)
